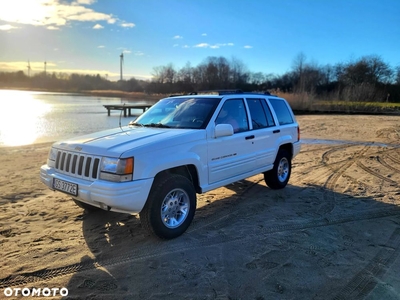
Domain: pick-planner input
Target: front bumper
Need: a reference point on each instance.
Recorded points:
(125, 197)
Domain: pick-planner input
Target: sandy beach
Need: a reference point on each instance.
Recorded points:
(332, 233)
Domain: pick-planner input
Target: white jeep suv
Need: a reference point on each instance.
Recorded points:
(181, 146)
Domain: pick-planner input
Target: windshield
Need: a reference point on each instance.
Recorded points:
(190, 112)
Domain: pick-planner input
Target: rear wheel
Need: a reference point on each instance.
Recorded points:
(278, 177)
(170, 207)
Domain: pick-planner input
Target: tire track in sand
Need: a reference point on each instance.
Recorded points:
(331, 182)
(365, 281)
(146, 252)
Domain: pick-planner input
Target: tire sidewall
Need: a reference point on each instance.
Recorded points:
(272, 178)
(157, 195)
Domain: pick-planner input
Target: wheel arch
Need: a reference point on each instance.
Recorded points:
(288, 147)
(189, 171)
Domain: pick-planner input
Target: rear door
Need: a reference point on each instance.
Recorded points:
(266, 133)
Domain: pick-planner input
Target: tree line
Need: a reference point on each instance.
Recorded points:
(368, 79)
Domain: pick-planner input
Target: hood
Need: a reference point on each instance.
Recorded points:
(115, 142)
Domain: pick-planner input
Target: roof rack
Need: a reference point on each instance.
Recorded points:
(222, 92)
(217, 92)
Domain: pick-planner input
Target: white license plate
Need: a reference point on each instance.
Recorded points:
(66, 187)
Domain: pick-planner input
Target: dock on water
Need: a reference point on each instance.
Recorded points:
(126, 108)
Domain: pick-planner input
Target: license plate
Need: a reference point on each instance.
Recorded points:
(66, 187)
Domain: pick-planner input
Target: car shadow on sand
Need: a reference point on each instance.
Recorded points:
(302, 242)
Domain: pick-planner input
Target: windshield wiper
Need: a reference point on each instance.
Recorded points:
(135, 124)
(158, 125)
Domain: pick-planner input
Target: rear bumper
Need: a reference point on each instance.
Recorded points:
(125, 197)
(296, 148)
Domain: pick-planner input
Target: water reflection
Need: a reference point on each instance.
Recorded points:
(20, 115)
(28, 117)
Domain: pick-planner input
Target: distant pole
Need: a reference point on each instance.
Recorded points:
(121, 62)
(45, 63)
(29, 68)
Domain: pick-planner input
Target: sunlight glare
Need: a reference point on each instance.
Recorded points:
(27, 12)
(20, 118)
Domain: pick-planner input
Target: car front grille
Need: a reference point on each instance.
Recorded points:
(78, 165)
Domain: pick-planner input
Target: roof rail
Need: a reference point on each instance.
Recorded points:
(220, 92)
(223, 92)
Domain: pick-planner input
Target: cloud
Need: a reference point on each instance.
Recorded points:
(177, 37)
(186, 46)
(127, 25)
(248, 47)
(139, 53)
(52, 28)
(101, 46)
(204, 34)
(52, 13)
(215, 46)
(202, 45)
(98, 26)
(7, 27)
(87, 2)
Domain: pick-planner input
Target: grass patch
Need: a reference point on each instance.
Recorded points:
(308, 103)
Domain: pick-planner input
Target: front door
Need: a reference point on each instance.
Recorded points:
(230, 156)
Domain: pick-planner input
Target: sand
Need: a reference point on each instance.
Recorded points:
(332, 233)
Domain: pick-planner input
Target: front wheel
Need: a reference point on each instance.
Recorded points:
(170, 207)
(278, 177)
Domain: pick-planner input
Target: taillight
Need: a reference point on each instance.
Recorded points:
(298, 133)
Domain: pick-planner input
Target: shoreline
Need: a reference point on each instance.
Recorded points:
(315, 107)
(300, 118)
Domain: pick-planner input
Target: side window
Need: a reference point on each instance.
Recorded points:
(282, 111)
(261, 116)
(268, 113)
(234, 112)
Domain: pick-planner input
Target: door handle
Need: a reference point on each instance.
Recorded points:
(250, 137)
(276, 131)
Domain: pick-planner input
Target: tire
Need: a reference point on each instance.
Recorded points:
(278, 177)
(86, 207)
(170, 207)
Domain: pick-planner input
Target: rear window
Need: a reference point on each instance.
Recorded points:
(282, 111)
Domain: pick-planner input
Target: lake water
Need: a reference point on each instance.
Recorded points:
(35, 117)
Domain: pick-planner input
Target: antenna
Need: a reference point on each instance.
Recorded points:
(120, 126)
(120, 115)
(121, 62)
(29, 68)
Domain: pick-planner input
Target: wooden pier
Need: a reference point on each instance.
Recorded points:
(127, 108)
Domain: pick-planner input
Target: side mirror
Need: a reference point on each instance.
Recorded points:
(223, 130)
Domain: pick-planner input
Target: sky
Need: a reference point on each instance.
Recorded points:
(88, 36)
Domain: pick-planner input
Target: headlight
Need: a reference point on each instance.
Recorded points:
(51, 160)
(116, 169)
